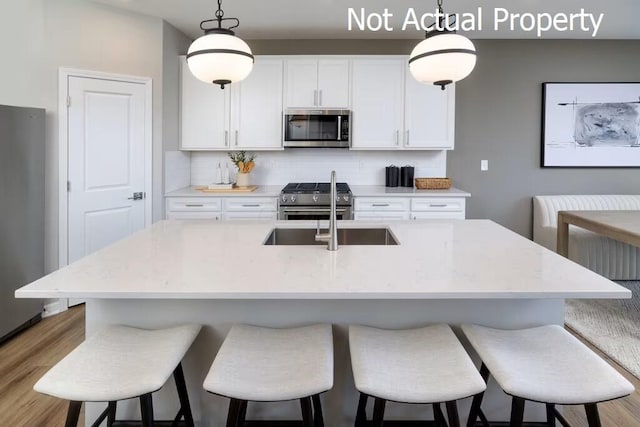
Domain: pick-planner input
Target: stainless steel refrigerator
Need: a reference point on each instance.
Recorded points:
(22, 151)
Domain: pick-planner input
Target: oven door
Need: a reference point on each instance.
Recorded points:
(312, 213)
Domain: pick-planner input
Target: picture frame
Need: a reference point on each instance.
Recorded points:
(590, 125)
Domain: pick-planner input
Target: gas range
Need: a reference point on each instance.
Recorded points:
(312, 201)
(314, 194)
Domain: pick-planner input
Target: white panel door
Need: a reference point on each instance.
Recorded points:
(377, 101)
(429, 115)
(333, 83)
(106, 162)
(256, 107)
(301, 83)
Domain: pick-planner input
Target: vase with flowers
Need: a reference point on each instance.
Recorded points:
(245, 163)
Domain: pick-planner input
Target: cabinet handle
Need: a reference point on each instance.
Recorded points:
(236, 137)
(315, 97)
(380, 205)
(251, 206)
(407, 137)
(437, 206)
(397, 137)
(226, 138)
(320, 97)
(194, 205)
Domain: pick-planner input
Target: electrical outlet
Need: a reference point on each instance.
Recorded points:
(484, 165)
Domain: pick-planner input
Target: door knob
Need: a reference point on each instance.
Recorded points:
(136, 196)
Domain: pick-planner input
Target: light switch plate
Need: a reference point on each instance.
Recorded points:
(484, 165)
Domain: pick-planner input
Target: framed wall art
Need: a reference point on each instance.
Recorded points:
(590, 125)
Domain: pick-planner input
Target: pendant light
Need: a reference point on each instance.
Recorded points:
(443, 57)
(219, 57)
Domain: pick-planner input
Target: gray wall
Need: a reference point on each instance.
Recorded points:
(498, 110)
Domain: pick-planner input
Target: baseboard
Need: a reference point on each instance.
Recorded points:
(54, 307)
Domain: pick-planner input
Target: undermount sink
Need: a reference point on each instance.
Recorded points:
(346, 236)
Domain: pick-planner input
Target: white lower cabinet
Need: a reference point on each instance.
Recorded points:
(218, 208)
(405, 208)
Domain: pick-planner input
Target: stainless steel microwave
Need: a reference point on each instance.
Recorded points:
(317, 128)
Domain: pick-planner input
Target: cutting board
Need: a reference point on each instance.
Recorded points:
(248, 189)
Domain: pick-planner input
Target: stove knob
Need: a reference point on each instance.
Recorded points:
(345, 198)
(315, 198)
(284, 198)
(293, 198)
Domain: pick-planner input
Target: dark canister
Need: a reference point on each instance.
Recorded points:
(392, 176)
(406, 176)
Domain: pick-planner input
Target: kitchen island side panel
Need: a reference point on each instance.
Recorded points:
(340, 403)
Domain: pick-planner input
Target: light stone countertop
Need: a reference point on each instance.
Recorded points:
(357, 190)
(436, 259)
(261, 191)
(380, 190)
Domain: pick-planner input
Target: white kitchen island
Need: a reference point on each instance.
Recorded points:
(216, 274)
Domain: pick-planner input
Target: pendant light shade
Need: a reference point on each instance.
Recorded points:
(219, 57)
(444, 57)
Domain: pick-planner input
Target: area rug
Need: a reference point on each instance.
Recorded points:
(613, 326)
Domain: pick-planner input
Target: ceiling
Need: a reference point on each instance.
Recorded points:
(327, 19)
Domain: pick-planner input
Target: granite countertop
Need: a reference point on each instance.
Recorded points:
(435, 259)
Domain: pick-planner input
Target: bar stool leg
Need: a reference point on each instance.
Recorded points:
(452, 414)
(517, 412)
(233, 415)
(551, 414)
(361, 415)
(243, 413)
(185, 407)
(73, 413)
(111, 415)
(378, 412)
(318, 418)
(307, 414)
(593, 418)
(438, 416)
(477, 399)
(146, 408)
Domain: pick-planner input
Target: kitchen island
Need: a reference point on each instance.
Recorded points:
(216, 274)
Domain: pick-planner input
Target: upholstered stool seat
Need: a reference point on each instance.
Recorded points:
(545, 364)
(425, 365)
(119, 363)
(266, 365)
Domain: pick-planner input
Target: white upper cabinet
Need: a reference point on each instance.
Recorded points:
(256, 107)
(377, 87)
(204, 113)
(312, 83)
(245, 115)
(429, 115)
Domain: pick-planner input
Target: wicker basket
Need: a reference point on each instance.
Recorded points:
(433, 183)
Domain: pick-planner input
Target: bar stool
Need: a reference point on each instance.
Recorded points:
(268, 365)
(426, 365)
(120, 363)
(544, 364)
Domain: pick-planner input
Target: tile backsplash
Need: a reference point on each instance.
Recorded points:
(316, 164)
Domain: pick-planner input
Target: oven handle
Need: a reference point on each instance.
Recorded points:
(313, 210)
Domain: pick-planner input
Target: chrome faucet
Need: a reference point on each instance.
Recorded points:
(331, 237)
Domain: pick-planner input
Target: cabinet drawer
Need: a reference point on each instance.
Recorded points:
(437, 204)
(193, 204)
(250, 216)
(250, 204)
(381, 204)
(381, 216)
(195, 215)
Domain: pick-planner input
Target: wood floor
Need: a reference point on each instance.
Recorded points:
(24, 359)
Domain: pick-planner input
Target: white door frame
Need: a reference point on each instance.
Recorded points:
(63, 149)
